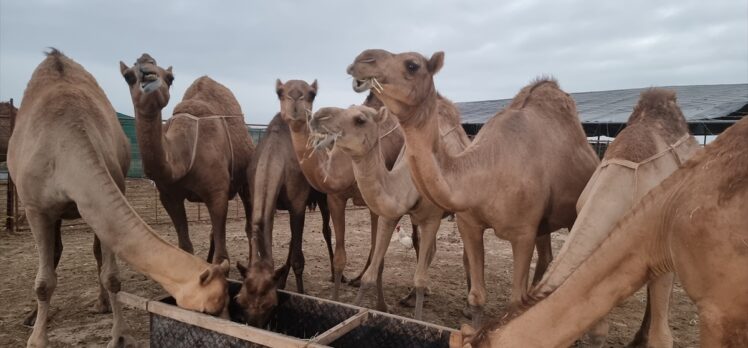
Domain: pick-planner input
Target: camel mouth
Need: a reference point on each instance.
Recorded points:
(322, 137)
(363, 85)
(150, 86)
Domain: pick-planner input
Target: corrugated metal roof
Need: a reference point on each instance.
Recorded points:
(702, 102)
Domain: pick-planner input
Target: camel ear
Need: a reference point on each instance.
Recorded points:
(279, 88)
(224, 266)
(205, 277)
(123, 67)
(436, 62)
(242, 269)
(314, 85)
(169, 69)
(381, 115)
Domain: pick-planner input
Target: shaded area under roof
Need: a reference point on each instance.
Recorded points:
(716, 105)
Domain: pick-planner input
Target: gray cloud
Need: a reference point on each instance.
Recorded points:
(492, 48)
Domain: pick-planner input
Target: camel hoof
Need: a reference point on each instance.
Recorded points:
(30, 319)
(123, 341)
(408, 301)
(102, 306)
(343, 279)
(355, 282)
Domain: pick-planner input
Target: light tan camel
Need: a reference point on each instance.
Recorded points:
(521, 176)
(693, 224)
(653, 145)
(68, 155)
(201, 154)
(391, 194)
(276, 182)
(330, 173)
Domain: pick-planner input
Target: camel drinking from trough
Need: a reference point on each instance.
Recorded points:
(68, 156)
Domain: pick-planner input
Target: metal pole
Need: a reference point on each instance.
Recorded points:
(11, 211)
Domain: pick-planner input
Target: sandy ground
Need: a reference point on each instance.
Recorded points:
(73, 322)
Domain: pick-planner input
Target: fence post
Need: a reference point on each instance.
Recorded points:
(11, 209)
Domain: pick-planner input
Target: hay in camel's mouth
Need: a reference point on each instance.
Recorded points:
(363, 85)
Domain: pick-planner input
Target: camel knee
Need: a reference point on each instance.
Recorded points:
(421, 281)
(598, 333)
(44, 288)
(477, 297)
(298, 264)
(339, 261)
(111, 282)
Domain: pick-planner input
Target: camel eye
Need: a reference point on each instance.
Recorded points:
(359, 120)
(411, 66)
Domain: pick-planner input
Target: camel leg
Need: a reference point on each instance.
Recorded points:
(102, 304)
(472, 239)
(386, 228)
(466, 266)
(43, 228)
(522, 248)
(337, 211)
(655, 330)
(295, 252)
(244, 195)
(723, 324)
(31, 317)
(545, 256)
(218, 209)
(109, 278)
(428, 248)
(416, 238)
(374, 221)
(324, 210)
(175, 208)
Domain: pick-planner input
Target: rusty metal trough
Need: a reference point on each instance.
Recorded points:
(298, 321)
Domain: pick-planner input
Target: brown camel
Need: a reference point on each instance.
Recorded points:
(693, 224)
(68, 155)
(652, 146)
(390, 194)
(521, 176)
(202, 153)
(276, 182)
(330, 173)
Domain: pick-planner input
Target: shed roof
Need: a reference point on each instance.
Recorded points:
(698, 102)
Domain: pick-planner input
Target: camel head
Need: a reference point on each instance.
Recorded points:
(401, 81)
(354, 130)
(258, 296)
(296, 98)
(208, 293)
(149, 85)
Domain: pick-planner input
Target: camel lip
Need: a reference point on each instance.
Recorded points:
(150, 86)
(361, 85)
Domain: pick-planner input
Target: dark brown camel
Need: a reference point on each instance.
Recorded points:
(201, 154)
(276, 182)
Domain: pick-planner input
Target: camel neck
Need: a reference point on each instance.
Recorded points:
(152, 143)
(433, 169)
(384, 191)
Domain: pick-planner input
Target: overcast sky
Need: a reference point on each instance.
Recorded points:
(492, 47)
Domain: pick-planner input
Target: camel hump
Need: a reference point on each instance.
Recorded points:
(58, 68)
(207, 97)
(539, 88)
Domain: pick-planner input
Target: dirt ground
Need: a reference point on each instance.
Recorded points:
(73, 322)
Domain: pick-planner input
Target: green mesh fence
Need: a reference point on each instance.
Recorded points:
(136, 165)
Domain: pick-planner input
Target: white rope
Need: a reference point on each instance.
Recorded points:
(197, 134)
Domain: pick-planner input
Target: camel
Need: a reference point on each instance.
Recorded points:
(330, 173)
(693, 224)
(201, 154)
(276, 182)
(653, 145)
(521, 175)
(68, 155)
(390, 194)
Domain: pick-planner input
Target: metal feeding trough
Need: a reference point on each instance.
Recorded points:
(297, 321)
